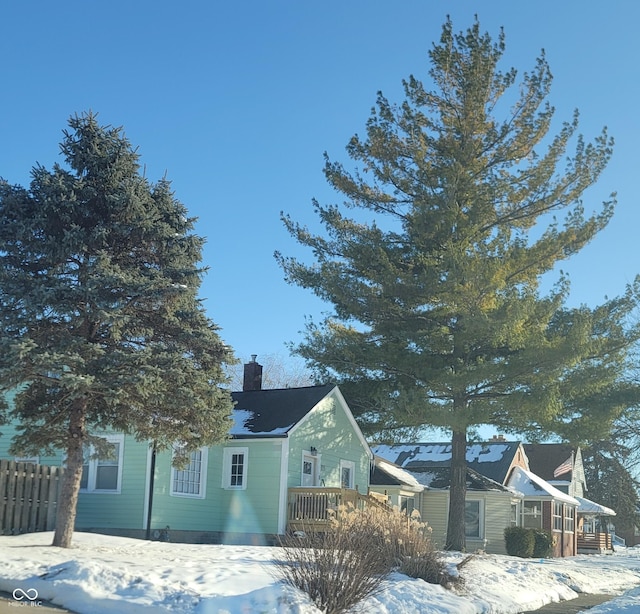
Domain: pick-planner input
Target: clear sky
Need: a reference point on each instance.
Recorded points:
(237, 101)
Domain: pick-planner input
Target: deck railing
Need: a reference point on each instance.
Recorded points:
(594, 542)
(311, 509)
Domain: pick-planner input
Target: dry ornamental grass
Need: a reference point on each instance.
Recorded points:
(346, 564)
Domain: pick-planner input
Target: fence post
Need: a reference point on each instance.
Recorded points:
(3, 493)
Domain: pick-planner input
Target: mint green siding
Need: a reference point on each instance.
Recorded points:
(254, 510)
(250, 510)
(328, 429)
(272, 465)
(124, 510)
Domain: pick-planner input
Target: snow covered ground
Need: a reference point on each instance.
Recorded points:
(113, 574)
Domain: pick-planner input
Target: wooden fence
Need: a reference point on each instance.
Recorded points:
(28, 497)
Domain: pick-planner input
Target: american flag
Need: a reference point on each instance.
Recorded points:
(564, 468)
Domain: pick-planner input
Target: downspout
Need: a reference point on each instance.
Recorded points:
(152, 475)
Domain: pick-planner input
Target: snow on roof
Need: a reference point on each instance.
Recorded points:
(441, 452)
(274, 412)
(588, 507)
(243, 417)
(400, 474)
(487, 453)
(531, 485)
(425, 478)
(491, 459)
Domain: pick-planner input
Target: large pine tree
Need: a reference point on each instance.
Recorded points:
(102, 329)
(610, 483)
(462, 201)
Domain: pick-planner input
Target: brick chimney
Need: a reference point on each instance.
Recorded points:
(252, 375)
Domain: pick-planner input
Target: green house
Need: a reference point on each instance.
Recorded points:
(288, 449)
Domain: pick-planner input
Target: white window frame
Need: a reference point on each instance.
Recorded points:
(347, 464)
(515, 514)
(534, 514)
(316, 463)
(227, 458)
(569, 522)
(202, 478)
(557, 516)
(92, 468)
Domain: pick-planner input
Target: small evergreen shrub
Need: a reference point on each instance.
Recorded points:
(543, 546)
(528, 543)
(519, 541)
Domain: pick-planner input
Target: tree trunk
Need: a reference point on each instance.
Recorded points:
(457, 492)
(68, 502)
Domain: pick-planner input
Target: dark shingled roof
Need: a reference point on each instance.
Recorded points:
(544, 458)
(440, 478)
(491, 459)
(273, 413)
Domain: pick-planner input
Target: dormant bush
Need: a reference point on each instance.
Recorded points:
(347, 563)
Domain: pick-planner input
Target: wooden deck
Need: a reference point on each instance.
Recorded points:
(592, 543)
(311, 509)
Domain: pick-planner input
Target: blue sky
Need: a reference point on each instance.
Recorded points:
(237, 101)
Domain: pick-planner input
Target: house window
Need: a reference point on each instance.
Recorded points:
(557, 516)
(472, 521)
(532, 514)
(570, 519)
(103, 474)
(84, 480)
(310, 469)
(407, 505)
(190, 481)
(234, 476)
(347, 472)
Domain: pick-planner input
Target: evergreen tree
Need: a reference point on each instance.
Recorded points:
(627, 429)
(610, 483)
(435, 280)
(101, 325)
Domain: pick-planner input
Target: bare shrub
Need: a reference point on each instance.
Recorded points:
(412, 552)
(346, 564)
(340, 567)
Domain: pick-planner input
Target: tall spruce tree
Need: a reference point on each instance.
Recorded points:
(101, 325)
(461, 205)
(610, 483)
